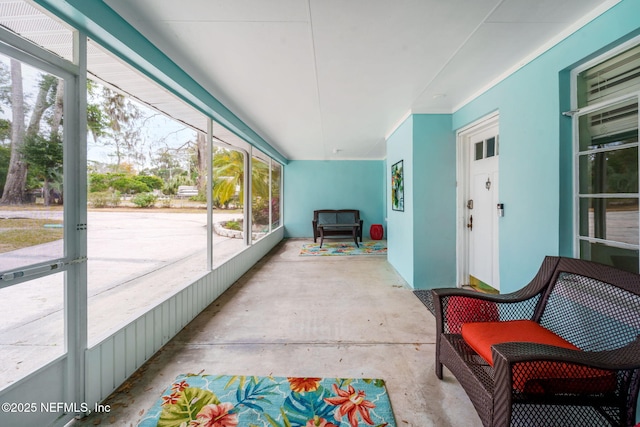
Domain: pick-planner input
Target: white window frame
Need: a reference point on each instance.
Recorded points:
(29, 54)
(575, 113)
(68, 368)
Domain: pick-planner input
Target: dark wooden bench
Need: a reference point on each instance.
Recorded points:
(590, 375)
(337, 222)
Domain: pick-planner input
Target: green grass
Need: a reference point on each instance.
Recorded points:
(17, 233)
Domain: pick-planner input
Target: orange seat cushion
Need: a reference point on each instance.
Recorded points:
(481, 336)
(537, 377)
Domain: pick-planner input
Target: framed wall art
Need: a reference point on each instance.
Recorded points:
(397, 186)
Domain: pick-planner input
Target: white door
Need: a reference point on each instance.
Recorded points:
(481, 209)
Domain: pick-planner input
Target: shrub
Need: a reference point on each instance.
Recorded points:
(260, 211)
(129, 185)
(151, 181)
(233, 225)
(114, 198)
(165, 202)
(199, 198)
(98, 182)
(99, 199)
(144, 200)
(102, 199)
(171, 187)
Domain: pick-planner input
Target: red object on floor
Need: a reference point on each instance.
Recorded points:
(376, 231)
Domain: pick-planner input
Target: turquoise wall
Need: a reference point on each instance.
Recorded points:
(434, 201)
(535, 165)
(337, 184)
(535, 144)
(400, 236)
(422, 239)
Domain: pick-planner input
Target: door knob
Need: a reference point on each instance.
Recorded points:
(470, 224)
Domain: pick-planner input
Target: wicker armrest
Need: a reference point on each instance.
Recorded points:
(441, 293)
(627, 357)
(544, 373)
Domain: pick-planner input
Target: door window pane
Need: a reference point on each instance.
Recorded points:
(491, 147)
(479, 150)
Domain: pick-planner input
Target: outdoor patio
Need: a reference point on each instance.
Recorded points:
(290, 315)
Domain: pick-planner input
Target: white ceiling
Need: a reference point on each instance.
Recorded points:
(315, 76)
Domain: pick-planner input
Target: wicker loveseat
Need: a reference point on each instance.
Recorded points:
(326, 218)
(562, 351)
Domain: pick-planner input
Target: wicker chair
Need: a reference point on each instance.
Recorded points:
(593, 307)
(336, 216)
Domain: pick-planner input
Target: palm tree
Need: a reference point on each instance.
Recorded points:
(259, 179)
(228, 176)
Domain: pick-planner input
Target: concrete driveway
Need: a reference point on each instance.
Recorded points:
(135, 259)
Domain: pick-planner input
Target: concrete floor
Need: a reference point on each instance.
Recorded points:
(309, 317)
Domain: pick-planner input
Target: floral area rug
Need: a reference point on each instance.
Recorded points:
(239, 401)
(369, 247)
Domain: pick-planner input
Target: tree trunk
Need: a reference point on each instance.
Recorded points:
(14, 188)
(41, 106)
(58, 109)
(201, 142)
(56, 122)
(46, 192)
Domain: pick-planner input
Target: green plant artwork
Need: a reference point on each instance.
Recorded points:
(397, 186)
